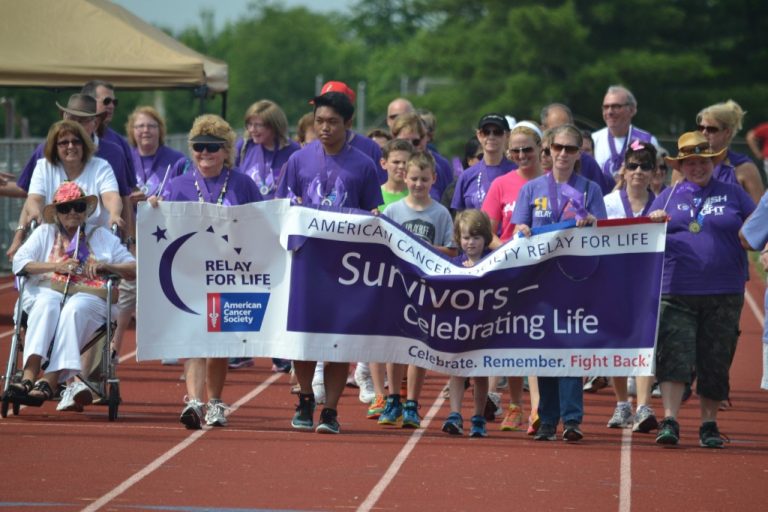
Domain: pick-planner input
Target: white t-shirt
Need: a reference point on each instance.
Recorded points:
(603, 150)
(96, 178)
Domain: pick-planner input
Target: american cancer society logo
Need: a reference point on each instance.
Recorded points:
(236, 311)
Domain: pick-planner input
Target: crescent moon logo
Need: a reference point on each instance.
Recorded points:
(165, 268)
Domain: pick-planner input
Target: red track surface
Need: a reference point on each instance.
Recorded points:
(147, 460)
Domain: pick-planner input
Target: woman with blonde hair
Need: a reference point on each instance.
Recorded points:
(211, 179)
(265, 146)
(720, 123)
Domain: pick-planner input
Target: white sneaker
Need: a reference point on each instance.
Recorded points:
(318, 388)
(75, 397)
(216, 414)
(622, 417)
(192, 415)
(496, 399)
(365, 383)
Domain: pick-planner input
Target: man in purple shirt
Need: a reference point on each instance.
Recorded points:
(361, 142)
(328, 172)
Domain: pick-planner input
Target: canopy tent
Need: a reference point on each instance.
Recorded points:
(63, 44)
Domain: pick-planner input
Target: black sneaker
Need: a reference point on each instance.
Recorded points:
(328, 422)
(305, 410)
(669, 432)
(709, 435)
(546, 432)
(571, 431)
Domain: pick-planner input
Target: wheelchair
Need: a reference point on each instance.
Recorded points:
(106, 389)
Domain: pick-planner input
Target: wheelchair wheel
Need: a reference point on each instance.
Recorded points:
(16, 408)
(4, 408)
(113, 400)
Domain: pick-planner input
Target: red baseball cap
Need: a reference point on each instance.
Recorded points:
(339, 87)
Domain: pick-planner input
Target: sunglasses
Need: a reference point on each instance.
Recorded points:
(78, 206)
(415, 142)
(557, 148)
(546, 152)
(492, 131)
(708, 129)
(527, 150)
(109, 101)
(614, 106)
(68, 142)
(211, 147)
(633, 166)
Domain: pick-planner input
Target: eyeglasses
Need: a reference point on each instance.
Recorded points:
(708, 129)
(557, 148)
(255, 124)
(546, 152)
(109, 101)
(78, 206)
(615, 106)
(527, 150)
(492, 131)
(68, 142)
(146, 126)
(211, 147)
(633, 166)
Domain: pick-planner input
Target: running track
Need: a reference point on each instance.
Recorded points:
(148, 461)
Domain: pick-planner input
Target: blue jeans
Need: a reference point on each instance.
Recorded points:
(561, 397)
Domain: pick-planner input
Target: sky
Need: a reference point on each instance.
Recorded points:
(179, 14)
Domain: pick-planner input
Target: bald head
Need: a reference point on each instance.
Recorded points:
(554, 115)
(396, 107)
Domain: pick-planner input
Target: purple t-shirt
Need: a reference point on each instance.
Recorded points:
(240, 189)
(712, 260)
(347, 179)
(120, 141)
(263, 166)
(151, 170)
(371, 149)
(590, 169)
(110, 152)
(444, 175)
(534, 207)
(461, 258)
(474, 183)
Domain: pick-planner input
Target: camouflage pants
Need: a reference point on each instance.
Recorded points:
(698, 332)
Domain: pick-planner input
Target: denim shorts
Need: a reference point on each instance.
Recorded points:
(698, 333)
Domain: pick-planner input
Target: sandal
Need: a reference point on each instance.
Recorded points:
(20, 388)
(43, 392)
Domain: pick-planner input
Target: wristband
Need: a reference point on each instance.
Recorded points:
(21, 228)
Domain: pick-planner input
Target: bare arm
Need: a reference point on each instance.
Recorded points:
(32, 210)
(754, 144)
(749, 178)
(114, 205)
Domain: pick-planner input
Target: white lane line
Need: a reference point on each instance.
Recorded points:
(158, 462)
(756, 310)
(6, 333)
(397, 463)
(625, 482)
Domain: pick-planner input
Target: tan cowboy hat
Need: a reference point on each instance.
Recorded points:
(694, 145)
(81, 105)
(69, 192)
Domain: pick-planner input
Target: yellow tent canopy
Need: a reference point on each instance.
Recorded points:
(62, 44)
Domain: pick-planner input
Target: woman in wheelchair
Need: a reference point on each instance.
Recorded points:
(65, 296)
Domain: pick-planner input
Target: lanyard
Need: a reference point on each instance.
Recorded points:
(207, 197)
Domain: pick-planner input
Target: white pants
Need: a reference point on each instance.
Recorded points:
(81, 316)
